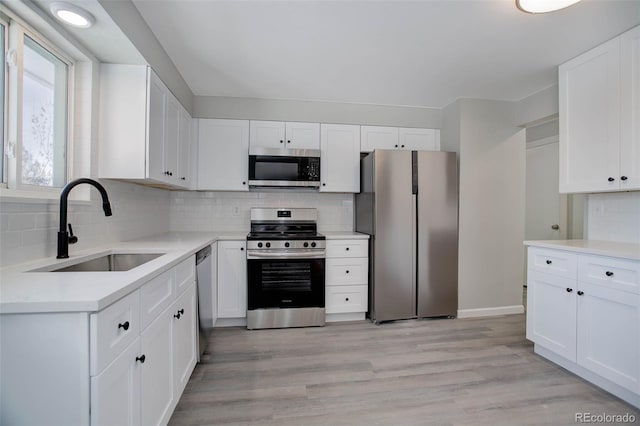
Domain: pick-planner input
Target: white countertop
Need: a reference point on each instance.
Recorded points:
(602, 248)
(344, 235)
(22, 291)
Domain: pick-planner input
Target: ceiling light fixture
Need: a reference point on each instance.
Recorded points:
(72, 15)
(543, 6)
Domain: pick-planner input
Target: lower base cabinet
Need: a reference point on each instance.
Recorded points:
(346, 279)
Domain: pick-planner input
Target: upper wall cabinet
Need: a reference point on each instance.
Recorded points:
(410, 139)
(600, 117)
(223, 155)
(280, 135)
(340, 158)
(144, 131)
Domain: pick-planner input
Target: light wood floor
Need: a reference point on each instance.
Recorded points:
(418, 372)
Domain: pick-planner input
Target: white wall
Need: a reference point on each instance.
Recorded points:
(229, 211)
(491, 218)
(614, 216)
(28, 229)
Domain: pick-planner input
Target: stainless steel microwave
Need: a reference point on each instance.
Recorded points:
(284, 167)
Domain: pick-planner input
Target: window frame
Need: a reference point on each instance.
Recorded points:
(4, 21)
(17, 31)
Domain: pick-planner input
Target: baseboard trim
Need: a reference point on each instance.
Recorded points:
(490, 312)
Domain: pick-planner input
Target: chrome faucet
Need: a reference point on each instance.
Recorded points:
(65, 238)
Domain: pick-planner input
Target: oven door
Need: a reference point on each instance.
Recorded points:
(285, 283)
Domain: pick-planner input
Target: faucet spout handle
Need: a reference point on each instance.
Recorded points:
(72, 238)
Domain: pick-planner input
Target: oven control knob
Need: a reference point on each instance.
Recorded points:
(306, 244)
(259, 245)
(268, 245)
(287, 244)
(313, 244)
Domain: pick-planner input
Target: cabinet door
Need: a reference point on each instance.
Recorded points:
(172, 140)
(267, 134)
(156, 131)
(551, 313)
(115, 392)
(232, 279)
(184, 339)
(419, 139)
(156, 392)
(589, 88)
(630, 91)
(223, 155)
(184, 150)
(340, 158)
(609, 334)
(214, 281)
(377, 137)
(302, 135)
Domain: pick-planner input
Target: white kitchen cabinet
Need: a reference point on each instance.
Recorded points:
(587, 318)
(403, 138)
(599, 112)
(140, 137)
(284, 135)
(184, 338)
(184, 149)
(346, 279)
(232, 279)
(340, 158)
(223, 155)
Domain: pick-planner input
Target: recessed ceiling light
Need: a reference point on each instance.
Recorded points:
(72, 15)
(543, 6)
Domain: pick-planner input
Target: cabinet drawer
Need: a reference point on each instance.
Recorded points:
(112, 330)
(556, 262)
(346, 299)
(347, 248)
(621, 274)
(349, 271)
(185, 274)
(156, 296)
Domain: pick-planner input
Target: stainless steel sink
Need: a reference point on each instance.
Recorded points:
(113, 262)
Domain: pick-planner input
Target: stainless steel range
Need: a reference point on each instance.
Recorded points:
(285, 269)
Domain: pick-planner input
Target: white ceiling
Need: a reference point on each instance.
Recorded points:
(418, 53)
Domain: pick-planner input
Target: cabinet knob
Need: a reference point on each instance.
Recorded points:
(170, 173)
(324, 184)
(396, 146)
(288, 141)
(623, 178)
(609, 273)
(124, 325)
(347, 271)
(549, 262)
(141, 358)
(401, 146)
(183, 178)
(569, 290)
(611, 179)
(346, 299)
(281, 141)
(244, 183)
(580, 293)
(242, 248)
(347, 249)
(177, 316)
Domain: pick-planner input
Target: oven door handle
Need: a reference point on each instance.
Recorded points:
(288, 255)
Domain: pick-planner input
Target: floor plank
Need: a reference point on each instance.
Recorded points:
(476, 371)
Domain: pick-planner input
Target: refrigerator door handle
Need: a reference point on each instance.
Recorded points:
(414, 252)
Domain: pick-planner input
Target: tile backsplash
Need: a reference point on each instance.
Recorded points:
(28, 230)
(229, 211)
(614, 216)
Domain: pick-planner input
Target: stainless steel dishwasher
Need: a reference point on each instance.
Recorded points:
(205, 280)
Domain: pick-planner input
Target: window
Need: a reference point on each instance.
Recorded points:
(36, 127)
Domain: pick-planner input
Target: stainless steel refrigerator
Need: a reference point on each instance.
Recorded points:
(408, 204)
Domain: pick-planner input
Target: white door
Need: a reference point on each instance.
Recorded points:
(551, 313)
(609, 334)
(418, 139)
(115, 392)
(172, 139)
(340, 158)
(184, 338)
(378, 137)
(630, 91)
(156, 395)
(184, 150)
(545, 207)
(302, 135)
(156, 129)
(232, 279)
(223, 155)
(267, 134)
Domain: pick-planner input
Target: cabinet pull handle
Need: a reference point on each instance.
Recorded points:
(609, 273)
(549, 262)
(180, 312)
(623, 178)
(141, 358)
(569, 290)
(580, 293)
(611, 179)
(124, 325)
